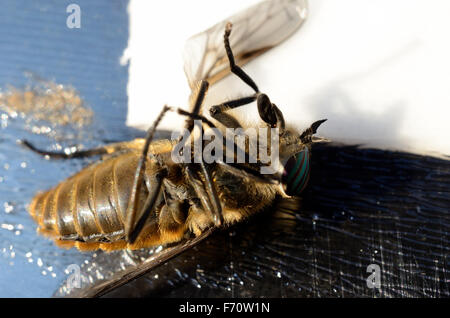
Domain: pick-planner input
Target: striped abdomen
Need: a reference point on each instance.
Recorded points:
(88, 209)
(296, 172)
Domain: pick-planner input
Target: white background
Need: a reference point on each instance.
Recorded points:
(378, 70)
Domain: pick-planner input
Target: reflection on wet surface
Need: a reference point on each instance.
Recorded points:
(45, 102)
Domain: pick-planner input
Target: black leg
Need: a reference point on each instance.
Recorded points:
(268, 112)
(235, 68)
(241, 170)
(214, 209)
(130, 231)
(212, 193)
(280, 118)
(197, 103)
(106, 149)
(193, 116)
(146, 211)
(63, 155)
(234, 168)
(217, 110)
(215, 206)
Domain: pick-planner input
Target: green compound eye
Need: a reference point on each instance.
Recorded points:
(296, 172)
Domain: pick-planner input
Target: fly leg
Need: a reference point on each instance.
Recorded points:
(218, 112)
(210, 206)
(172, 216)
(233, 67)
(237, 169)
(268, 111)
(132, 232)
(133, 227)
(104, 150)
(63, 155)
(209, 189)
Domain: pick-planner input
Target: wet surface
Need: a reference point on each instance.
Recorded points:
(35, 40)
(362, 207)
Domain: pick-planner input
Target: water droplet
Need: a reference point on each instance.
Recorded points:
(8, 227)
(9, 207)
(23, 164)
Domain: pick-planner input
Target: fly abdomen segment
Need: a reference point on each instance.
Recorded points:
(91, 205)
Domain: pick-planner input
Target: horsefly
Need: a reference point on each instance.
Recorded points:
(146, 193)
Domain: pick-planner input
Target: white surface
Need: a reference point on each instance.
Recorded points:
(378, 70)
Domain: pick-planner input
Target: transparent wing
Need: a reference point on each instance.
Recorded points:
(255, 30)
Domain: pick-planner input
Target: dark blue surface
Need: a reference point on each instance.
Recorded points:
(34, 38)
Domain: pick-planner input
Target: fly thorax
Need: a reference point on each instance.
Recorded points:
(296, 172)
